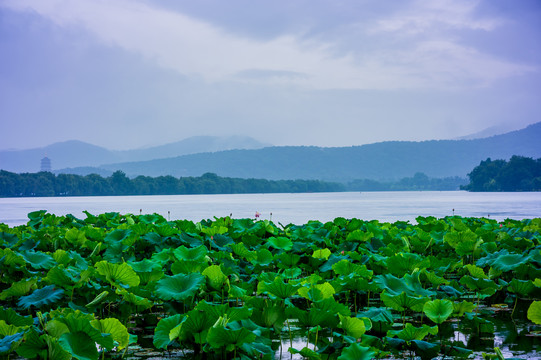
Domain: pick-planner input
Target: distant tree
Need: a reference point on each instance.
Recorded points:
(518, 174)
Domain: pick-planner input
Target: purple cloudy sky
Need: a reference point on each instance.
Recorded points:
(131, 73)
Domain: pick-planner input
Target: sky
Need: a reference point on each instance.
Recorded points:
(126, 74)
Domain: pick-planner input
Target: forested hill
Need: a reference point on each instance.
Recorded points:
(385, 160)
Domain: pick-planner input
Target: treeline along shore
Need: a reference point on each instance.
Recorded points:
(49, 184)
(517, 174)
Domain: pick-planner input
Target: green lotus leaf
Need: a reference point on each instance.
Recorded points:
(9, 257)
(47, 295)
(410, 332)
(11, 317)
(179, 287)
(188, 267)
(357, 352)
(19, 288)
(317, 292)
(521, 287)
(114, 327)
(8, 329)
(219, 336)
(193, 254)
(118, 273)
(312, 317)
(280, 243)
(484, 287)
(410, 284)
(101, 297)
(534, 312)
(438, 310)
(509, 262)
(9, 342)
(425, 350)
(306, 353)
(216, 279)
(267, 313)
(8, 239)
(463, 307)
(277, 288)
(34, 345)
(216, 311)
(537, 282)
(291, 273)
(434, 279)
(476, 272)
(404, 263)
(257, 350)
(264, 257)
(38, 259)
(321, 254)
(359, 235)
(145, 266)
(134, 299)
(79, 345)
(161, 333)
(346, 267)
(378, 315)
(241, 251)
(287, 260)
(196, 326)
(403, 301)
(117, 235)
(353, 326)
(60, 277)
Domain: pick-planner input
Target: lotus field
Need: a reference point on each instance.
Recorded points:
(114, 286)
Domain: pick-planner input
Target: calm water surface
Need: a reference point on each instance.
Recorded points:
(289, 208)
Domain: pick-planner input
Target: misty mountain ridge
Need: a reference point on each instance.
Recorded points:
(389, 160)
(75, 153)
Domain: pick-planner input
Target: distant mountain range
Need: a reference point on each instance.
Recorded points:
(389, 160)
(82, 155)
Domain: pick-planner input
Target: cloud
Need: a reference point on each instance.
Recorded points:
(425, 16)
(206, 52)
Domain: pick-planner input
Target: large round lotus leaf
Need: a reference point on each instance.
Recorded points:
(509, 262)
(357, 352)
(114, 327)
(38, 259)
(41, 297)
(277, 288)
(194, 254)
(79, 345)
(534, 312)
(179, 287)
(118, 273)
(281, 243)
(11, 317)
(219, 336)
(403, 301)
(353, 326)
(216, 278)
(438, 310)
(410, 332)
(162, 331)
(117, 235)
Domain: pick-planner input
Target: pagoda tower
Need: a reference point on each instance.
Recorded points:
(46, 164)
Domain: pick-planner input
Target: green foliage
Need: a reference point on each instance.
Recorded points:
(229, 288)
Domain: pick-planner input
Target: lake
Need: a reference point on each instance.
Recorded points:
(289, 208)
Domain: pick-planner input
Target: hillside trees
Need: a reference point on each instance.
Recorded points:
(518, 174)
